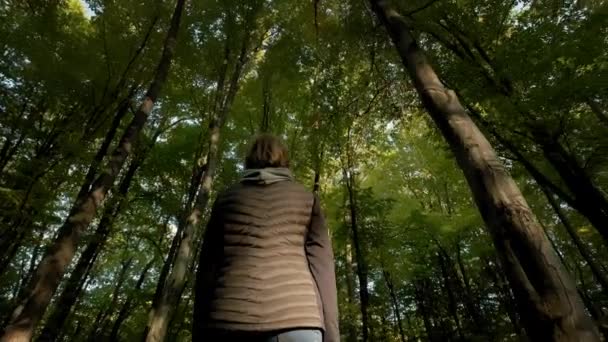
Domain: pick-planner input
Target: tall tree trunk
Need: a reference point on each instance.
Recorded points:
(160, 314)
(179, 315)
(101, 324)
(34, 174)
(198, 172)
(173, 287)
(46, 156)
(477, 318)
(164, 272)
(126, 306)
(197, 175)
(60, 254)
(350, 290)
(449, 290)
(421, 307)
(504, 294)
(546, 296)
(362, 274)
(391, 290)
(72, 290)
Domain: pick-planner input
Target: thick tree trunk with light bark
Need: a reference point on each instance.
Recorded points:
(547, 297)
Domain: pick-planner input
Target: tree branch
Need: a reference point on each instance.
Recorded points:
(421, 8)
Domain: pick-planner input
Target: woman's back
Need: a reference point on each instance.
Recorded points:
(266, 269)
(264, 281)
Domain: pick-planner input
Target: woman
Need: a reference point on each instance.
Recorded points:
(266, 269)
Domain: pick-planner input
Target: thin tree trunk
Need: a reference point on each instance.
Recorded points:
(126, 307)
(52, 267)
(11, 250)
(595, 108)
(173, 329)
(89, 178)
(546, 296)
(595, 217)
(9, 150)
(77, 307)
(588, 304)
(160, 315)
(93, 332)
(383, 329)
(469, 295)
(32, 265)
(22, 286)
(102, 323)
(189, 277)
(315, 187)
(594, 308)
(395, 302)
(505, 296)
(72, 290)
(599, 276)
(198, 173)
(164, 272)
(585, 192)
(449, 290)
(359, 257)
(350, 289)
(477, 318)
(4, 153)
(421, 307)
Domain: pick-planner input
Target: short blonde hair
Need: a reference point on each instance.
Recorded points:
(267, 151)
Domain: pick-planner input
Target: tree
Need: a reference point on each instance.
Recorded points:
(542, 287)
(173, 288)
(52, 266)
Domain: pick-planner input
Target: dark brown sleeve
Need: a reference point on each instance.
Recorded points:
(209, 256)
(321, 260)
